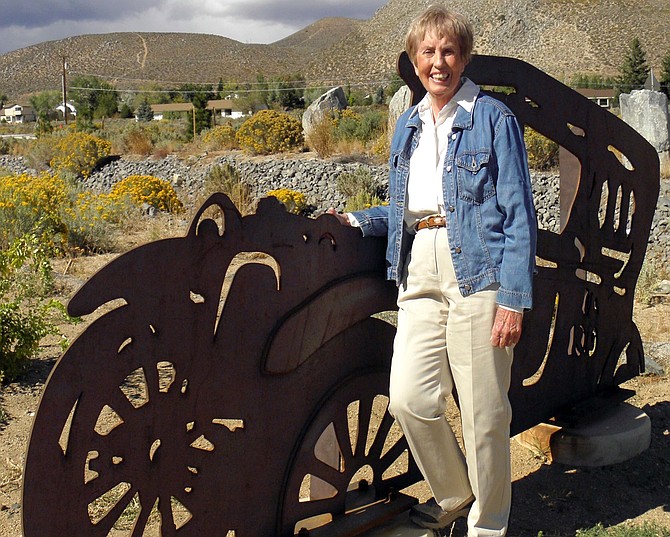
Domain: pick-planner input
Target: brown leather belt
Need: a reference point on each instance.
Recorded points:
(431, 222)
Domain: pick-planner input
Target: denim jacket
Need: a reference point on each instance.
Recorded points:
(491, 223)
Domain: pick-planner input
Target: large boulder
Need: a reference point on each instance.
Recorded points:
(401, 101)
(647, 112)
(332, 101)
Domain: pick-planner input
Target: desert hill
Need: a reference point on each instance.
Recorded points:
(562, 37)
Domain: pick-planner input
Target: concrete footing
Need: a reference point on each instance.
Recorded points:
(609, 436)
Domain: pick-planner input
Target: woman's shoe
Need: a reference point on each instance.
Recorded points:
(431, 516)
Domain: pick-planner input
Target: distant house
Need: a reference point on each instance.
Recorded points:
(228, 108)
(602, 97)
(71, 110)
(160, 110)
(19, 113)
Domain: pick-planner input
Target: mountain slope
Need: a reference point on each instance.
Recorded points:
(561, 37)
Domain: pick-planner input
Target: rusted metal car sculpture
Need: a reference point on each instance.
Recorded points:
(235, 383)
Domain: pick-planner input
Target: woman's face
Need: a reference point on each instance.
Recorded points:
(439, 65)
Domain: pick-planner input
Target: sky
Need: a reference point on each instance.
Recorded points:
(28, 22)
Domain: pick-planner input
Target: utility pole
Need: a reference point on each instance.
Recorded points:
(64, 86)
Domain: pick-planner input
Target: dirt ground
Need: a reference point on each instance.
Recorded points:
(547, 497)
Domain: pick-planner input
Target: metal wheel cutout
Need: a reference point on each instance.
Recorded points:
(352, 458)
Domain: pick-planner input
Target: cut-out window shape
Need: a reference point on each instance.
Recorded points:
(166, 375)
(505, 90)
(379, 405)
(180, 514)
(134, 387)
(132, 513)
(617, 208)
(577, 131)
(570, 174)
(580, 248)
(89, 473)
(535, 377)
(153, 449)
(314, 488)
(99, 508)
(621, 157)
(392, 438)
(212, 217)
(241, 259)
(303, 527)
(67, 426)
(108, 420)
(588, 276)
(329, 239)
(620, 256)
(202, 443)
(530, 102)
(398, 467)
(196, 298)
(544, 263)
(353, 419)
(231, 424)
(602, 206)
(124, 345)
(362, 478)
(327, 449)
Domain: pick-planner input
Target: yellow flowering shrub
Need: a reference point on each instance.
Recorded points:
(221, 137)
(27, 199)
(49, 204)
(295, 202)
(542, 152)
(269, 131)
(141, 189)
(78, 152)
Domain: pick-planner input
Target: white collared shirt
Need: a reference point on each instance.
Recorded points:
(424, 188)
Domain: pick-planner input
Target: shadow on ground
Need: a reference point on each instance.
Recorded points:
(558, 499)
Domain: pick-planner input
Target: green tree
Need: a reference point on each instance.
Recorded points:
(287, 92)
(395, 83)
(45, 104)
(144, 112)
(665, 74)
(93, 98)
(634, 71)
(198, 97)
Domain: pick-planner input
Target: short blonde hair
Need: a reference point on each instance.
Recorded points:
(442, 22)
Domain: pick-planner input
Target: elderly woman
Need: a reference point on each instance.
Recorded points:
(461, 246)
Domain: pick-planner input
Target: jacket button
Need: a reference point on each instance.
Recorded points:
(451, 208)
(467, 287)
(458, 251)
(449, 167)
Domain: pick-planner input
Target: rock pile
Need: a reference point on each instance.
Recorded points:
(317, 179)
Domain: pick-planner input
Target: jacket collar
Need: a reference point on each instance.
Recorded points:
(465, 98)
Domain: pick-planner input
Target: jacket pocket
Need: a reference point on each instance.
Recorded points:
(475, 180)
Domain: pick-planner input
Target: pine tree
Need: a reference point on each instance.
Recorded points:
(144, 112)
(634, 71)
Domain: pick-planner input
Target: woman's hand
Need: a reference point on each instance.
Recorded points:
(506, 328)
(341, 217)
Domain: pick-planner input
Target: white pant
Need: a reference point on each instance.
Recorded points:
(443, 339)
